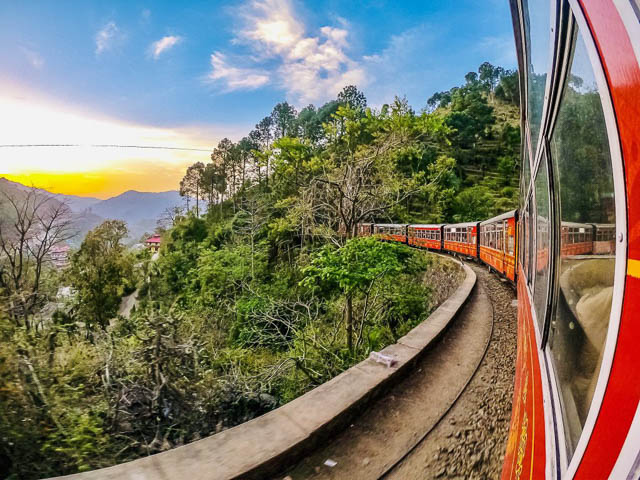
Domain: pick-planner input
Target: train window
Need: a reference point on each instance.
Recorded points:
(511, 243)
(584, 179)
(539, 32)
(541, 284)
(530, 227)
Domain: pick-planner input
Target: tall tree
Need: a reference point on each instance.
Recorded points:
(355, 267)
(284, 120)
(360, 179)
(99, 272)
(354, 98)
(31, 225)
(222, 157)
(191, 183)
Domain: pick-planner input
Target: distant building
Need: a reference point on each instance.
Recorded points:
(59, 256)
(153, 243)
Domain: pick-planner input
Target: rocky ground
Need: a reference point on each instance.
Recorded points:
(470, 441)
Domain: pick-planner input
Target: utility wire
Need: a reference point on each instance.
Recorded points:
(101, 146)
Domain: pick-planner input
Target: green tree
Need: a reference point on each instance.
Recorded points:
(100, 273)
(191, 184)
(284, 120)
(353, 98)
(355, 267)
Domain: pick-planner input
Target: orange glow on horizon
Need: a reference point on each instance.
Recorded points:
(30, 124)
(103, 184)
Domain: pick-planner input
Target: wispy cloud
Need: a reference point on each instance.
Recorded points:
(235, 78)
(107, 37)
(499, 49)
(164, 44)
(33, 57)
(309, 67)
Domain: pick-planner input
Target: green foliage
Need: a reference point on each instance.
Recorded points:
(356, 265)
(101, 273)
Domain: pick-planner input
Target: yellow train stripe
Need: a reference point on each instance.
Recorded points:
(633, 268)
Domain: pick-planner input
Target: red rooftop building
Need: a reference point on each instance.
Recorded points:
(153, 243)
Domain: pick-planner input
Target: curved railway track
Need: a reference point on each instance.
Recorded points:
(425, 426)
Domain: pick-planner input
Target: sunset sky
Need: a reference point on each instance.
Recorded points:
(164, 74)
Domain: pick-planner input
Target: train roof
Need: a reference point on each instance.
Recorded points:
(426, 225)
(503, 216)
(390, 224)
(574, 224)
(465, 224)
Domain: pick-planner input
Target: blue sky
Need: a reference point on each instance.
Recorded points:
(208, 69)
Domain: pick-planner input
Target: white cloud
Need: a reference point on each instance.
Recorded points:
(235, 78)
(107, 37)
(310, 68)
(33, 57)
(165, 43)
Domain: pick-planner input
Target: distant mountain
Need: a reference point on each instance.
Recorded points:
(133, 206)
(140, 210)
(76, 203)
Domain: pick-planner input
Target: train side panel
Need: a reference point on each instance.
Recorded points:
(525, 455)
(425, 237)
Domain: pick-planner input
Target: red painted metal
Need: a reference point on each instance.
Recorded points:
(525, 456)
(623, 390)
(415, 241)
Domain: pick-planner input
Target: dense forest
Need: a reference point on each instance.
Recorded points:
(253, 299)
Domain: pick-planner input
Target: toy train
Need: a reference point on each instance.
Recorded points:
(498, 239)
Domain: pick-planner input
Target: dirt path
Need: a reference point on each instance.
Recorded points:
(127, 303)
(393, 424)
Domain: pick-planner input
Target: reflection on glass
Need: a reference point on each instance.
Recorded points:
(542, 242)
(580, 151)
(539, 33)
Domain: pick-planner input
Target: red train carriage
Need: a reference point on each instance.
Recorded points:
(425, 236)
(394, 232)
(364, 229)
(576, 403)
(577, 238)
(498, 243)
(462, 238)
(605, 239)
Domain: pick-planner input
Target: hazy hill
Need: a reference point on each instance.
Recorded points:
(140, 210)
(133, 206)
(76, 203)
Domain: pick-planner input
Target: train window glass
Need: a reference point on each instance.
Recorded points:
(582, 162)
(530, 245)
(511, 243)
(523, 239)
(539, 33)
(542, 242)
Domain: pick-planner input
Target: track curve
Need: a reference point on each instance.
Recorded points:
(391, 438)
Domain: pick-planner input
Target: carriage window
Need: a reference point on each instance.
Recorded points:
(511, 240)
(581, 155)
(539, 32)
(530, 227)
(542, 242)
